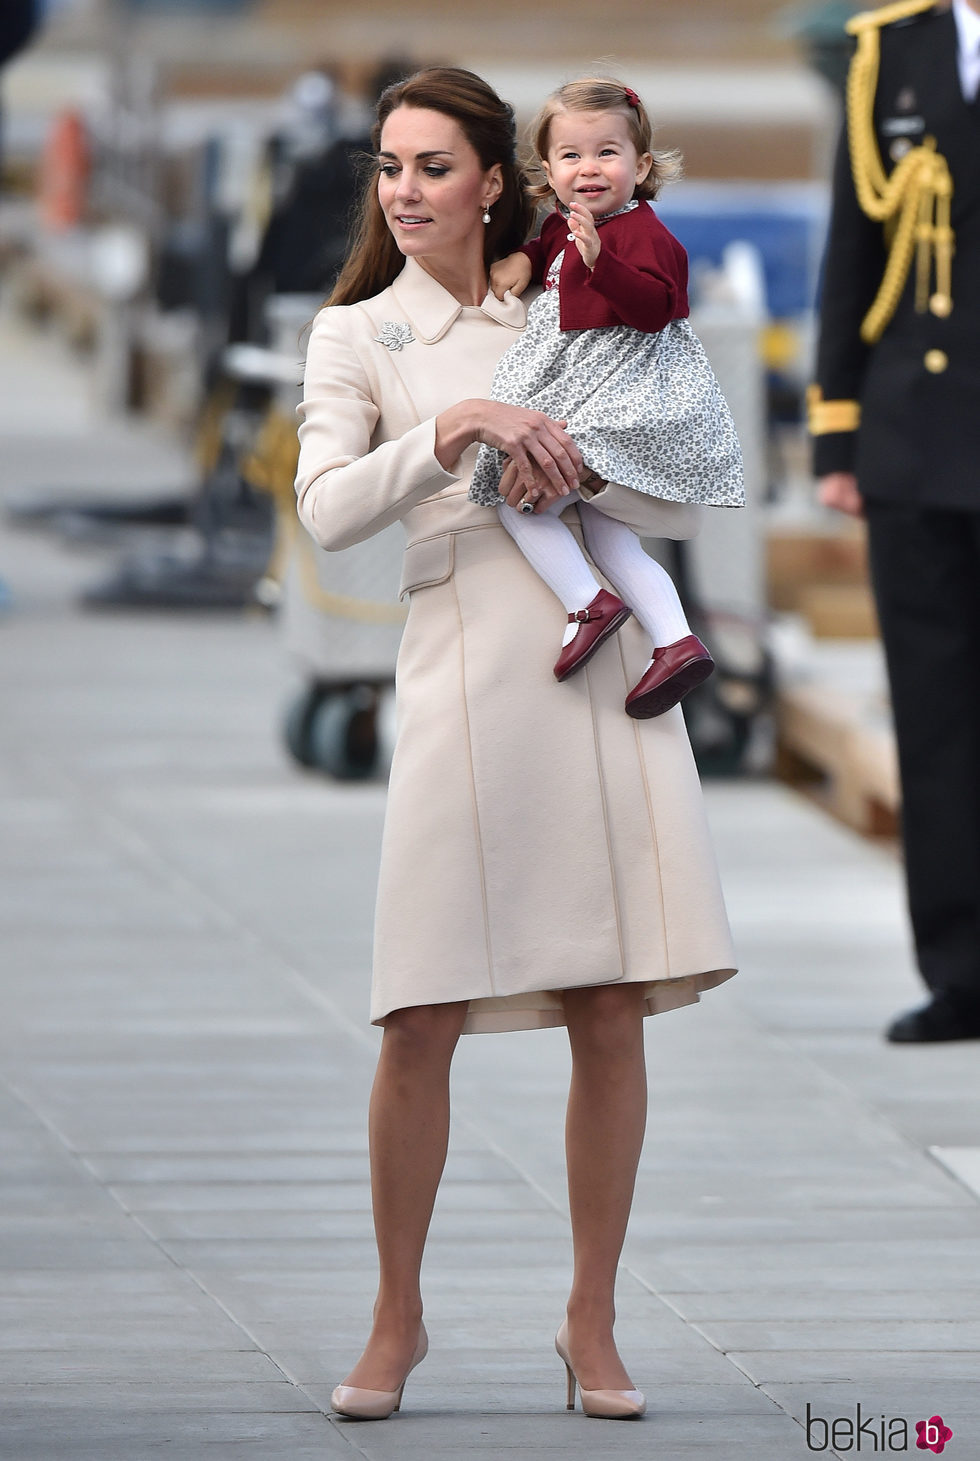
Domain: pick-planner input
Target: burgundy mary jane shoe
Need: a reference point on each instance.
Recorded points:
(676, 669)
(603, 617)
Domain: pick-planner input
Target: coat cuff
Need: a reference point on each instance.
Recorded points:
(826, 418)
(833, 425)
(650, 517)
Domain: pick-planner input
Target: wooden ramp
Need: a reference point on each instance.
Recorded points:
(840, 748)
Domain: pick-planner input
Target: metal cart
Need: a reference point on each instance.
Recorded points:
(340, 613)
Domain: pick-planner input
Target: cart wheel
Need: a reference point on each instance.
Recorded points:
(343, 736)
(298, 722)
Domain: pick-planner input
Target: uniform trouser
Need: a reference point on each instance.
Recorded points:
(925, 567)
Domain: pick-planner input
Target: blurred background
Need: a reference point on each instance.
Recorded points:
(176, 183)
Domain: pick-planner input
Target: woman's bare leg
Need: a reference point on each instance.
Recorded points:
(607, 1106)
(409, 1136)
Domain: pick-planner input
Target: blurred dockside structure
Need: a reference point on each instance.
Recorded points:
(176, 183)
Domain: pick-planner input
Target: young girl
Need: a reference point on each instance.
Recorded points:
(608, 349)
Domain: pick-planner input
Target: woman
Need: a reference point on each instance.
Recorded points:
(545, 858)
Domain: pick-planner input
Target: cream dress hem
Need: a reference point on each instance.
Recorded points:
(542, 1009)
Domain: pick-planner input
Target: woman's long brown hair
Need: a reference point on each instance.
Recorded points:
(374, 259)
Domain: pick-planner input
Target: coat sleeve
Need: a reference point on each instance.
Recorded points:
(348, 491)
(853, 266)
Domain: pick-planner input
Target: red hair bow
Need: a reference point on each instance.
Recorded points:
(631, 96)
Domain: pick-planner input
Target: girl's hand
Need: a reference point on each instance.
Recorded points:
(538, 447)
(581, 227)
(513, 273)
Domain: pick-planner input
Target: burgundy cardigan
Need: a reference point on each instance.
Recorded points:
(639, 279)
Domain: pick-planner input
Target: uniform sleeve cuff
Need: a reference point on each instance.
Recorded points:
(826, 418)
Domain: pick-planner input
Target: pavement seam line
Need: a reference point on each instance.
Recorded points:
(649, 1288)
(82, 1161)
(124, 834)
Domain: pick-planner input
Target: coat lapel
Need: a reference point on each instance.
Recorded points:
(431, 309)
(416, 312)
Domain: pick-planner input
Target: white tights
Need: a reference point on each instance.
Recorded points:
(553, 552)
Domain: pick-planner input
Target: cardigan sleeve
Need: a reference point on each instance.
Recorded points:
(535, 251)
(348, 491)
(645, 296)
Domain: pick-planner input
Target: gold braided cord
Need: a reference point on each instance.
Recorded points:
(209, 435)
(913, 201)
(271, 467)
(886, 15)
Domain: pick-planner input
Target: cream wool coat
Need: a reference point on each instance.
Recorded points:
(536, 838)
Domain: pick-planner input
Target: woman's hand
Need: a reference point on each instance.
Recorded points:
(840, 491)
(582, 229)
(542, 452)
(515, 493)
(542, 494)
(513, 273)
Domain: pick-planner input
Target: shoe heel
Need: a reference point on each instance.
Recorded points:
(570, 1393)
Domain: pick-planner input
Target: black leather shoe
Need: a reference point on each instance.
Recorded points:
(945, 1017)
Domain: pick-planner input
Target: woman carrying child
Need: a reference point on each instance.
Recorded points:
(546, 860)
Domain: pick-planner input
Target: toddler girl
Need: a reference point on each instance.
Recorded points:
(608, 350)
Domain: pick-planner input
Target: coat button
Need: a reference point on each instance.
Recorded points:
(936, 361)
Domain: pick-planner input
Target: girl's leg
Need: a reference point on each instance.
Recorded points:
(607, 1105)
(554, 554)
(409, 1135)
(638, 579)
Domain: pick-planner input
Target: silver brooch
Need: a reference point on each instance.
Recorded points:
(395, 334)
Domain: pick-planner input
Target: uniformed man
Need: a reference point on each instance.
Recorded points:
(895, 415)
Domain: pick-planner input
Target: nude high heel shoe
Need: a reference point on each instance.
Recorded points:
(600, 1404)
(358, 1404)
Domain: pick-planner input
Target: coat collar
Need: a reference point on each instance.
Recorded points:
(431, 309)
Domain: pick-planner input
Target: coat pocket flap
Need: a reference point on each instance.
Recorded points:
(427, 561)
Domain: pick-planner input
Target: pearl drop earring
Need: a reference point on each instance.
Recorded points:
(486, 212)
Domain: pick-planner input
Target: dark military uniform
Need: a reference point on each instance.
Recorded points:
(900, 407)
(18, 20)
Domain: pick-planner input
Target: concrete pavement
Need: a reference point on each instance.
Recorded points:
(186, 1261)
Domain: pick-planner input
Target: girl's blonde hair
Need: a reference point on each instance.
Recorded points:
(602, 94)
